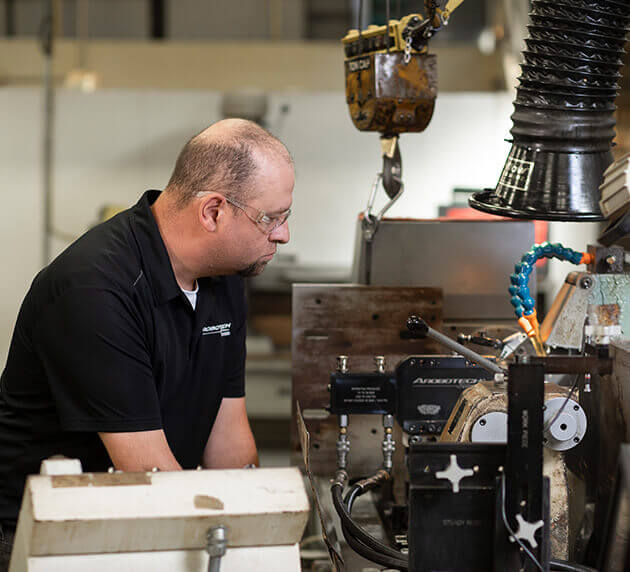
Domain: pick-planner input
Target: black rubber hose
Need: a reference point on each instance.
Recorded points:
(569, 566)
(373, 555)
(355, 492)
(356, 531)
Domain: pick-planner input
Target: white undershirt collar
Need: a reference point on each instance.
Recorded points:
(192, 294)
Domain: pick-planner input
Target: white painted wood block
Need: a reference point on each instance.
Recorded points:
(109, 514)
(61, 466)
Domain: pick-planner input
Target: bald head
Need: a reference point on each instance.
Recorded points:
(223, 159)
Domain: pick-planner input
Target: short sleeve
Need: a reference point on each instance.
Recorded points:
(93, 349)
(235, 366)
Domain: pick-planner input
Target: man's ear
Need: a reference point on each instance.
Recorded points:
(211, 211)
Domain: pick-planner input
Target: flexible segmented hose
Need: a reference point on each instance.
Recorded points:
(521, 299)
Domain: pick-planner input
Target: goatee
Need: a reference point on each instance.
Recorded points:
(252, 270)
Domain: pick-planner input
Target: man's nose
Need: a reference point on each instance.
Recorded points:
(281, 234)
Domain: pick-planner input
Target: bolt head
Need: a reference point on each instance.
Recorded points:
(586, 282)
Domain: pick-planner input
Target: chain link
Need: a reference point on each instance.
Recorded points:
(407, 56)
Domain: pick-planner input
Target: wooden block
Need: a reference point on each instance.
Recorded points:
(103, 513)
(358, 321)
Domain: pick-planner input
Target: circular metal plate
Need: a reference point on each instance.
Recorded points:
(569, 426)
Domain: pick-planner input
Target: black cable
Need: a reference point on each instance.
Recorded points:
(358, 532)
(365, 551)
(355, 491)
(569, 566)
(564, 404)
(373, 555)
(509, 528)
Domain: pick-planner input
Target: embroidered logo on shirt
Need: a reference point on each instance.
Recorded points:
(221, 329)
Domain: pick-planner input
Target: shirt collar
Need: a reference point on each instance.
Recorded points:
(155, 261)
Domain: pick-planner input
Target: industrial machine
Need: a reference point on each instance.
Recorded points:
(508, 461)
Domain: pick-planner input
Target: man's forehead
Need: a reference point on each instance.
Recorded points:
(274, 171)
(272, 155)
(273, 182)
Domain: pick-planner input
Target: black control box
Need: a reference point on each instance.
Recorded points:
(362, 393)
(428, 388)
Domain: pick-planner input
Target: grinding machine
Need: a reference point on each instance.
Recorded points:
(513, 460)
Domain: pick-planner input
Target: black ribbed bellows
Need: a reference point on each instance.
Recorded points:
(563, 124)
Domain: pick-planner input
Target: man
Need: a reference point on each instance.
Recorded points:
(129, 348)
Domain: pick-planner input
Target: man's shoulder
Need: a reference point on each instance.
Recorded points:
(105, 257)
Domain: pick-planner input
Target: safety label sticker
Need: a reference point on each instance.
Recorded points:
(516, 174)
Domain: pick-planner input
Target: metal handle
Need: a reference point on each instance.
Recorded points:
(418, 325)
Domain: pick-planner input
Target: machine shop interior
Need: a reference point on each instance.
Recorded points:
(438, 361)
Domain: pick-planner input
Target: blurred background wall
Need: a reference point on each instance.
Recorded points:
(134, 79)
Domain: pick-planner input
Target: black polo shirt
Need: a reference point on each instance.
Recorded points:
(106, 340)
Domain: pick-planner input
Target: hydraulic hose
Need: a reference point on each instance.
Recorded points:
(356, 531)
(373, 555)
(356, 491)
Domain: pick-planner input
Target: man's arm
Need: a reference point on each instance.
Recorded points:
(140, 451)
(231, 443)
